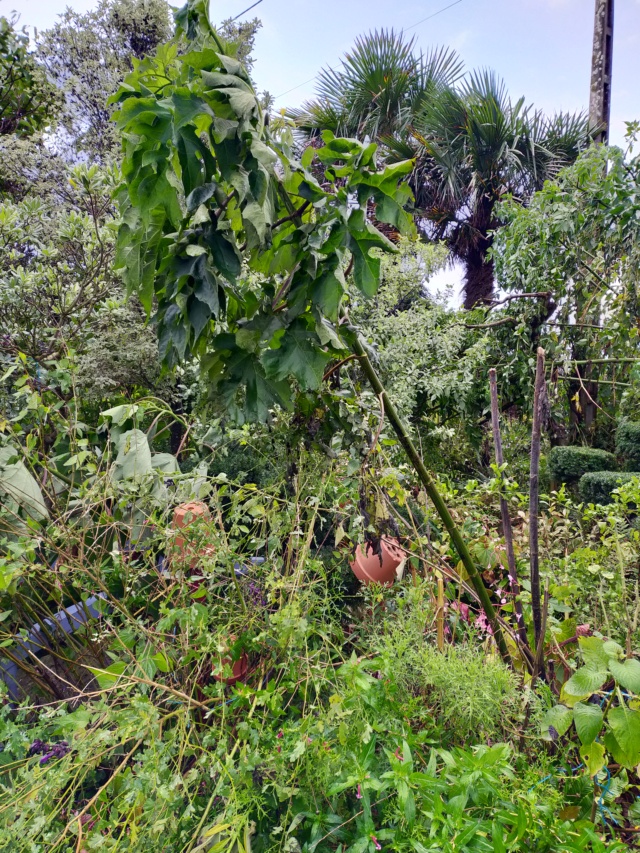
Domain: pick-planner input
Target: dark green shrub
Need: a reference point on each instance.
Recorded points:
(596, 487)
(568, 464)
(628, 443)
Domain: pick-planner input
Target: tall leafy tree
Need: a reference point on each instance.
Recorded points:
(87, 55)
(472, 145)
(27, 101)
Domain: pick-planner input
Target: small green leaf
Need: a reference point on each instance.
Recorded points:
(111, 675)
(162, 661)
(559, 717)
(593, 756)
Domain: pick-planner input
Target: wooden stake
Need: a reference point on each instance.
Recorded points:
(514, 585)
(534, 494)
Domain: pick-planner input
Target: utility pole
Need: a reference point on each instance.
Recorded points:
(601, 65)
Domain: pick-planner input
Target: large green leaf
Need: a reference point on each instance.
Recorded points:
(593, 653)
(582, 684)
(133, 461)
(298, 355)
(626, 673)
(18, 484)
(625, 727)
(588, 720)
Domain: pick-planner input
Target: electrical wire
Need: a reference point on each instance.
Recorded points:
(253, 7)
(405, 29)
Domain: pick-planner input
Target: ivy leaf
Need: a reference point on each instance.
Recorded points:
(299, 355)
(588, 720)
(626, 673)
(593, 757)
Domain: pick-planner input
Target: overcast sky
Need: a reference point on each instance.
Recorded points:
(541, 47)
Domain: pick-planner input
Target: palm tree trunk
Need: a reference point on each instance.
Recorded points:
(478, 280)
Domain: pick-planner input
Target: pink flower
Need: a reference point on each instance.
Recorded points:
(280, 734)
(359, 794)
(377, 844)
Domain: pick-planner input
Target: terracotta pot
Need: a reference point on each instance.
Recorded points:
(183, 516)
(370, 568)
(239, 668)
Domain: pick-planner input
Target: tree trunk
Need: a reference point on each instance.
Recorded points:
(478, 280)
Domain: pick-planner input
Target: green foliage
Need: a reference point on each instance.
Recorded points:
(56, 264)
(598, 486)
(87, 55)
(611, 726)
(628, 443)
(568, 464)
(589, 211)
(413, 331)
(472, 697)
(27, 100)
(463, 132)
(203, 192)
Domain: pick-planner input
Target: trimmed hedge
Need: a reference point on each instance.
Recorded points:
(568, 464)
(628, 443)
(596, 487)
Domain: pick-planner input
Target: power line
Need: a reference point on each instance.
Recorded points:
(253, 7)
(428, 18)
(405, 29)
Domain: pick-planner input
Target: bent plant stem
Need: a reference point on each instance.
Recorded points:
(435, 496)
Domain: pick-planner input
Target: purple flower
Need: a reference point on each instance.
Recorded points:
(359, 794)
(48, 751)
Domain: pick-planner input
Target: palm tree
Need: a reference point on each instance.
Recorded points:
(472, 145)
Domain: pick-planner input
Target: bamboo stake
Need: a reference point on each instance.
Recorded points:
(514, 585)
(534, 494)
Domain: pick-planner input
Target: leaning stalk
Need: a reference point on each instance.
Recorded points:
(441, 508)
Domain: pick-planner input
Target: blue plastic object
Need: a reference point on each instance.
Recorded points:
(65, 621)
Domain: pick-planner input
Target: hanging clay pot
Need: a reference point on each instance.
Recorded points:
(183, 516)
(239, 668)
(369, 567)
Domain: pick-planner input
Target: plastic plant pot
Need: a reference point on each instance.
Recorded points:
(370, 567)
